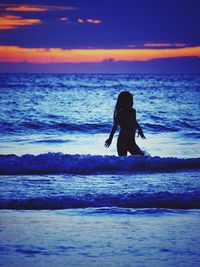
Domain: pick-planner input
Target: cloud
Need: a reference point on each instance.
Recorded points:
(11, 22)
(26, 8)
(34, 8)
(94, 21)
(164, 45)
(168, 65)
(80, 20)
(64, 19)
(157, 45)
(58, 55)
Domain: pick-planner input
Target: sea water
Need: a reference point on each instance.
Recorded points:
(73, 114)
(65, 199)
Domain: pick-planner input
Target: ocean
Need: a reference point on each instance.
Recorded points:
(67, 200)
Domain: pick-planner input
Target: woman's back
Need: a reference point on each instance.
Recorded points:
(127, 121)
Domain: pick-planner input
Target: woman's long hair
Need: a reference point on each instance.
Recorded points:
(124, 101)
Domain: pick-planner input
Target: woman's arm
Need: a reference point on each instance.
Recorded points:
(140, 132)
(114, 128)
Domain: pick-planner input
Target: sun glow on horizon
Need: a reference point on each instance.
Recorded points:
(59, 55)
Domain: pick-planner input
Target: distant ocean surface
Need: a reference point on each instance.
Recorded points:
(73, 113)
(69, 197)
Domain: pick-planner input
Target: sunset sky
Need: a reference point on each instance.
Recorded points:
(100, 36)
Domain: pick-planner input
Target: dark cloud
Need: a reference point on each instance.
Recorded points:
(171, 65)
(123, 22)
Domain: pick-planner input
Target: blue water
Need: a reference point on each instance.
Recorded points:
(63, 194)
(140, 190)
(73, 113)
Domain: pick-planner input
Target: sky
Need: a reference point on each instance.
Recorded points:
(107, 36)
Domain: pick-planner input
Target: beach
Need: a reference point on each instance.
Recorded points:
(99, 237)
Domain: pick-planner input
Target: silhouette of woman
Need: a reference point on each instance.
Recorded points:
(125, 116)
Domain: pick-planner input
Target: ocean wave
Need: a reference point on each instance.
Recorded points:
(160, 128)
(170, 127)
(46, 125)
(57, 163)
(54, 126)
(137, 211)
(48, 141)
(187, 200)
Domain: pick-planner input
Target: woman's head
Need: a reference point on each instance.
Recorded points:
(124, 101)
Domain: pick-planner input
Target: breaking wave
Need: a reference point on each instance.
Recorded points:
(57, 163)
(187, 200)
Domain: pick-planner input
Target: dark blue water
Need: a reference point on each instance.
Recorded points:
(65, 196)
(60, 122)
(73, 113)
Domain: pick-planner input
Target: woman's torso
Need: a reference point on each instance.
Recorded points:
(127, 121)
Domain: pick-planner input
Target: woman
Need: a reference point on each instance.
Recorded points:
(125, 116)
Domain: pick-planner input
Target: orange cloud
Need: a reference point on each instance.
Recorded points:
(33, 8)
(58, 55)
(95, 21)
(11, 22)
(26, 8)
(80, 20)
